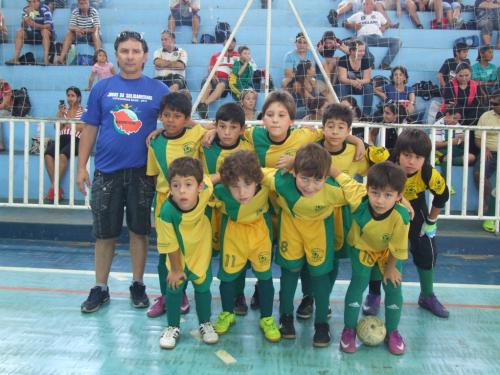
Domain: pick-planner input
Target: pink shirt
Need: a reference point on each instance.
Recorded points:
(103, 71)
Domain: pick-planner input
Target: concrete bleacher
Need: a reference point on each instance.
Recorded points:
(423, 52)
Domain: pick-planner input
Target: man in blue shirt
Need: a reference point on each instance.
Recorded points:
(36, 28)
(122, 111)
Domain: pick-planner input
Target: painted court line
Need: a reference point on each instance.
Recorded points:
(124, 276)
(225, 357)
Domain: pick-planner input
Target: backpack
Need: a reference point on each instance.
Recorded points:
(380, 81)
(426, 89)
(21, 105)
(207, 39)
(27, 59)
(222, 32)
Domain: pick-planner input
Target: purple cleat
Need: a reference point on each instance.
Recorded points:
(371, 306)
(395, 343)
(184, 303)
(432, 304)
(348, 340)
(158, 308)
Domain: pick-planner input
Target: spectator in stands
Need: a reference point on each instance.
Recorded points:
(344, 6)
(484, 72)
(6, 101)
(488, 19)
(248, 101)
(84, 27)
(3, 29)
(370, 26)
(170, 63)
(36, 27)
(492, 119)
(315, 107)
(74, 110)
(293, 58)
(326, 48)
(437, 7)
(465, 94)
(304, 86)
(355, 75)
(447, 70)
(185, 12)
(241, 74)
(101, 69)
(382, 5)
(398, 91)
(392, 113)
(453, 10)
(218, 86)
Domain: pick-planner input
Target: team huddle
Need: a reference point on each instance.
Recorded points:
(290, 195)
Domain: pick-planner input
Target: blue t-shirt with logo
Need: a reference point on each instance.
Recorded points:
(126, 111)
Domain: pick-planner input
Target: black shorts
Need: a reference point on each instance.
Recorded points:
(112, 192)
(35, 36)
(215, 81)
(171, 79)
(64, 146)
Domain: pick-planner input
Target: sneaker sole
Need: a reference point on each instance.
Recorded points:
(321, 344)
(226, 331)
(270, 339)
(169, 347)
(85, 311)
(141, 305)
(433, 313)
(241, 312)
(303, 316)
(288, 337)
(155, 315)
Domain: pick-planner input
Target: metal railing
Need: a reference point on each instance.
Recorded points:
(24, 200)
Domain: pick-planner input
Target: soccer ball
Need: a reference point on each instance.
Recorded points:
(371, 330)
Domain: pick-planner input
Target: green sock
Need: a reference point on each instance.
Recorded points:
(162, 273)
(240, 283)
(393, 306)
(305, 280)
(203, 305)
(491, 206)
(266, 297)
(321, 292)
(174, 299)
(288, 286)
(426, 281)
(333, 274)
(227, 293)
(354, 295)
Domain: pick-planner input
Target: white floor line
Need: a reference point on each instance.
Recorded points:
(124, 276)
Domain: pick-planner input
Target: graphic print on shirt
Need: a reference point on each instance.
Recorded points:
(125, 120)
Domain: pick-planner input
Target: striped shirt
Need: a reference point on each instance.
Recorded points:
(67, 130)
(81, 21)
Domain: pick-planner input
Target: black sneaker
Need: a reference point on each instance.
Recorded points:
(305, 309)
(287, 328)
(254, 302)
(321, 335)
(138, 295)
(240, 305)
(97, 297)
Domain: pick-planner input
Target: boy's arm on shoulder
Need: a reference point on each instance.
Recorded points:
(352, 191)
(269, 178)
(360, 146)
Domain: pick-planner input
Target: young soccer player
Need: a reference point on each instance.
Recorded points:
(229, 129)
(246, 238)
(185, 237)
(305, 231)
(379, 243)
(412, 153)
(176, 140)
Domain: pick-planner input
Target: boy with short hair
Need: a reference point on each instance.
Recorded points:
(246, 238)
(379, 243)
(176, 140)
(306, 197)
(229, 129)
(185, 236)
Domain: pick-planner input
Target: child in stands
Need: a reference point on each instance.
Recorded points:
(101, 69)
(184, 237)
(379, 243)
(246, 239)
(412, 153)
(176, 140)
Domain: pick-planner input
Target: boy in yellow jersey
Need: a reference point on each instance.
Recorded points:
(246, 238)
(229, 128)
(379, 243)
(412, 153)
(305, 230)
(185, 237)
(176, 140)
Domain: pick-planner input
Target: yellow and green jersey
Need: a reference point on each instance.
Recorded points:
(188, 231)
(269, 151)
(427, 178)
(370, 234)
(336, 192)
(163, 150)
(213, 156)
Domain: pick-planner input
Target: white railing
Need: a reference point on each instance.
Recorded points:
(24, 200)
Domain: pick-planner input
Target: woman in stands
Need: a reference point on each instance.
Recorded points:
(315, 107)
(355, 75)
(74, 110)
(398, 91)
(248, 102)
(393, 113)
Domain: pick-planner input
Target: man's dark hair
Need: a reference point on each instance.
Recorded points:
(178, 102)
(185, 167)
(127, 35)
(231, 112)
